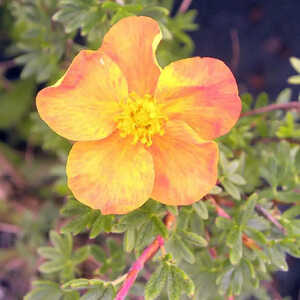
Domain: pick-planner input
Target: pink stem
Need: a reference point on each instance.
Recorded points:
(271, 107)
(139, 263)
(185, 6)
(138, 266)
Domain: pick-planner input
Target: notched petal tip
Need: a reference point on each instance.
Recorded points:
(132, 43)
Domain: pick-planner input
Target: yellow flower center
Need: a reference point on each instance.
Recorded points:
(140, 117)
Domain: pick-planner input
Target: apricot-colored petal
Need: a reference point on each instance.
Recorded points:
(131, 43)
(202, 92)
(185, 165)
(111, 174)
(82, 105)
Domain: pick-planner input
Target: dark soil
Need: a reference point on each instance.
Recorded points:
(268, 34)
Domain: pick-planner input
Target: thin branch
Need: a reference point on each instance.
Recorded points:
(140, 262)
(271, 107)
(184, 6)
(5, 227)
(267, 140)
(269, 217)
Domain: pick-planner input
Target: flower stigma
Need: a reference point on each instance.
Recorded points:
(140, 117)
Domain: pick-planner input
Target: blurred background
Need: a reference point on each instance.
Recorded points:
(255, 38)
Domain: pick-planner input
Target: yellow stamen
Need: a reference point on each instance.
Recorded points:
(140, 117)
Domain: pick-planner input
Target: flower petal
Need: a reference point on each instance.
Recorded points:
(131, 43)
(203, 93)
(111, 174)
(82, 105)
(185, 165)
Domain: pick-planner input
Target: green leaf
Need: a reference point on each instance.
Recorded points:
(223, 280)
(293, 249)
(44, 293)
(76, 284)
(231, 168)
(295, 62)
(160, 226)
(109, 293)
(71, 295)
(186, 252)
(216, 190)
(295, 79)
(250, 267)
(134, 219)
(74, 207)
(49, 252)
(108, 223)
(223, 223)
(247, 209)
(174, 284)
(68, 245)
(62, 243)
(234, 242)
(173, 209)
(97, 227)
(57, 241)
(284, 96)
(98, 253)
(258, 236)
(52, 266)
(81, 254)
(270, 171)
(145, 235)
(155, 12)
(246, 101)
(236, 253)
(237, 281)
(83, 283)
(231, 189)
(262, 100)
(16, 103)
(77, 225)
(288, 196)
(194, 239)
(129, 240)
(292, 212)
(278, 258)
(93, 294)
(201, 209)
(232, 236)
(237, 179)
(156, 282)
(44, 290)
(186, 282)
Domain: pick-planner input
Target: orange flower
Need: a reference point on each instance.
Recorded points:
(141, 131)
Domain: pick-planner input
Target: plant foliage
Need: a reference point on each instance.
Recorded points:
(208, 254)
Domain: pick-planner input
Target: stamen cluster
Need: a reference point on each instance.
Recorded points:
(140, 117)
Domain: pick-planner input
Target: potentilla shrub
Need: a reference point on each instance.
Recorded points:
(176, 185)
